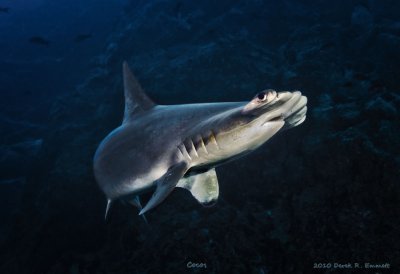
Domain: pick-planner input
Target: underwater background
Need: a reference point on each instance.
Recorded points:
(327, 191)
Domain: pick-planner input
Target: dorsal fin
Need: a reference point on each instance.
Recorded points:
(136, 100)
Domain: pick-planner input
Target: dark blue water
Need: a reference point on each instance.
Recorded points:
(324, 192)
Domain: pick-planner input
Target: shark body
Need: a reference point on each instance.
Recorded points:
(163, 147)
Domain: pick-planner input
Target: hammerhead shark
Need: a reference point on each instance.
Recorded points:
(160, 147)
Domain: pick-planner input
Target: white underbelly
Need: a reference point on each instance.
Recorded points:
(147, 181)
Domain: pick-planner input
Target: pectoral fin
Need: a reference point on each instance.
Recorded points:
(165, 185)
(204, 187)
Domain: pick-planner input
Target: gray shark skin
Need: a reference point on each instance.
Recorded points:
(159, 147)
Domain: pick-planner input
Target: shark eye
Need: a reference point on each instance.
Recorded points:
(262, 96)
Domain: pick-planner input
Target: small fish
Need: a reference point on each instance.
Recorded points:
(82, 37)
(4, 9)
(39, 41)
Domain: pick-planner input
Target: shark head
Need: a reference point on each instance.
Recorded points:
(248, 126)
(269, 106)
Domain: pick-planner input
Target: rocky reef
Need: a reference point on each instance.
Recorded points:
(324, 192)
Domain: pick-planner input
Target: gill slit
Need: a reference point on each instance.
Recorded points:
(194, 148)
(180, 151)
(203, 145)
(187, 152)
(214, 137)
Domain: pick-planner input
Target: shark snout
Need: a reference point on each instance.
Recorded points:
(290, 107)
